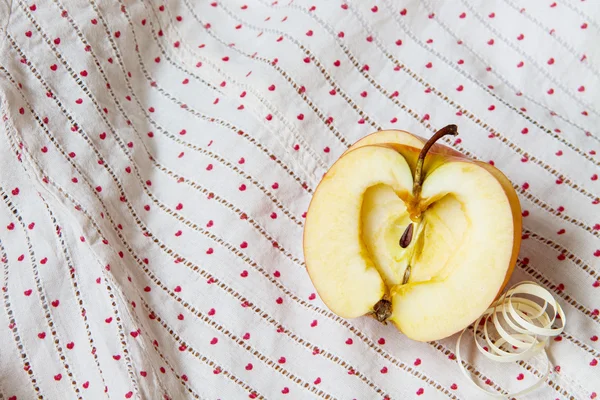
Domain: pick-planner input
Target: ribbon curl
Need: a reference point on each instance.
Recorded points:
(523, 331)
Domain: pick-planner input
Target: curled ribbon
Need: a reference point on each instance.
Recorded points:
(522, 332)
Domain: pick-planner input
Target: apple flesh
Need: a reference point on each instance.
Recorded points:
(465, 230)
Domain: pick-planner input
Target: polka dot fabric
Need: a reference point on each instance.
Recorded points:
(158, 159)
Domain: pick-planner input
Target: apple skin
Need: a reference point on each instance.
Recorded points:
(515, 205)
(409, 146)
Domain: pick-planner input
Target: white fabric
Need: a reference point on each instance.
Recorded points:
(151, 229)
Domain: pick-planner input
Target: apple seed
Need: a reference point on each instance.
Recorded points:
(406, 237)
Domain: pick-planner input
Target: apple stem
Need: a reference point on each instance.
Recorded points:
(418, 181)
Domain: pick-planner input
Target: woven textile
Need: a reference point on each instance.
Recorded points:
(157, 160)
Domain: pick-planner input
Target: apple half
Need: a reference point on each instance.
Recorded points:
(412, 232)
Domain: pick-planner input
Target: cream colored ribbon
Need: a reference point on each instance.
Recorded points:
(530, 326)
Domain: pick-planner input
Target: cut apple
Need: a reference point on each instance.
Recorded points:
(426, 243)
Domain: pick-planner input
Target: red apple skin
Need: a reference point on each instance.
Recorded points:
(406, 143)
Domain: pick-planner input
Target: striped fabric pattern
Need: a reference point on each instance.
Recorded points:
(158, 159)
